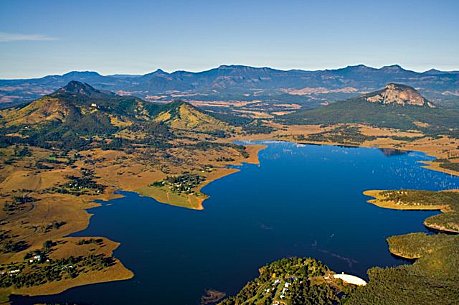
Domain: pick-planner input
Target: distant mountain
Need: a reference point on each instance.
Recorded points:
(394, 106)
(236, 82)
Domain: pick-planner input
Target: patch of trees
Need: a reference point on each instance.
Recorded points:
(341, 134)
(54, 225)
(257, 127)
(182, 183)
(416, 245)
(306, 293)
(89, 241)
(52, 270)
(450, 165)
(206, 145)
(6, 141)
(241, 149)
(21, 151)
(19, 203)
(10, 245)
(79, 185)
(224, 159)
(231, 118)
(422, 197)
(156, 134)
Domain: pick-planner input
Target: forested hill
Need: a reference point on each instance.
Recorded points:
(395, 106)
(78, 115)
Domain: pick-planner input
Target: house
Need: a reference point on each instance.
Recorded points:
(35, 258)
(12, 272)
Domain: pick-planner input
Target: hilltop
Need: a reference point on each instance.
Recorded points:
(183, 116)
(398, 94)
(74, 102)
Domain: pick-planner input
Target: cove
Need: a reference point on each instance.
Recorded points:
(302, 200)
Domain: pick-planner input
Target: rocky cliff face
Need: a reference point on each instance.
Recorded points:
(399, 94)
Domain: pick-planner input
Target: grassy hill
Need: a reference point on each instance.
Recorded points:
(78, 115)
(183, 116)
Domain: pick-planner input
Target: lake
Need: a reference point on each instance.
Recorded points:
(302, 200)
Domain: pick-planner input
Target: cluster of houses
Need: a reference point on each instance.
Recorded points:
(10, 272)
(283, 291)
(35, 259)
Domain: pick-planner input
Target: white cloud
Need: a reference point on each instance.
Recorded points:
(8, 37)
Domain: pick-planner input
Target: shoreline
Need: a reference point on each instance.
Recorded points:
(380, 201)
(118, 271)
(163, 196)
(435, 148)
(253, 150)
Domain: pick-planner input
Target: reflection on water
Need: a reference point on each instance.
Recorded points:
(393, 152)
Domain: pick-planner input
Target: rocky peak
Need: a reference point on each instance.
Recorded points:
(400, 95)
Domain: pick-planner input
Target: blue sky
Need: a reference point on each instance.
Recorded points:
(40, 37)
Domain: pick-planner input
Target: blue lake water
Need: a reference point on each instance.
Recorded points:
(302, 200)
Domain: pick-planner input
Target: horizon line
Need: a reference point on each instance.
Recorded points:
(233, 65)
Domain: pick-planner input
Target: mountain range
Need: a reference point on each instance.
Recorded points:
(236, 82)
